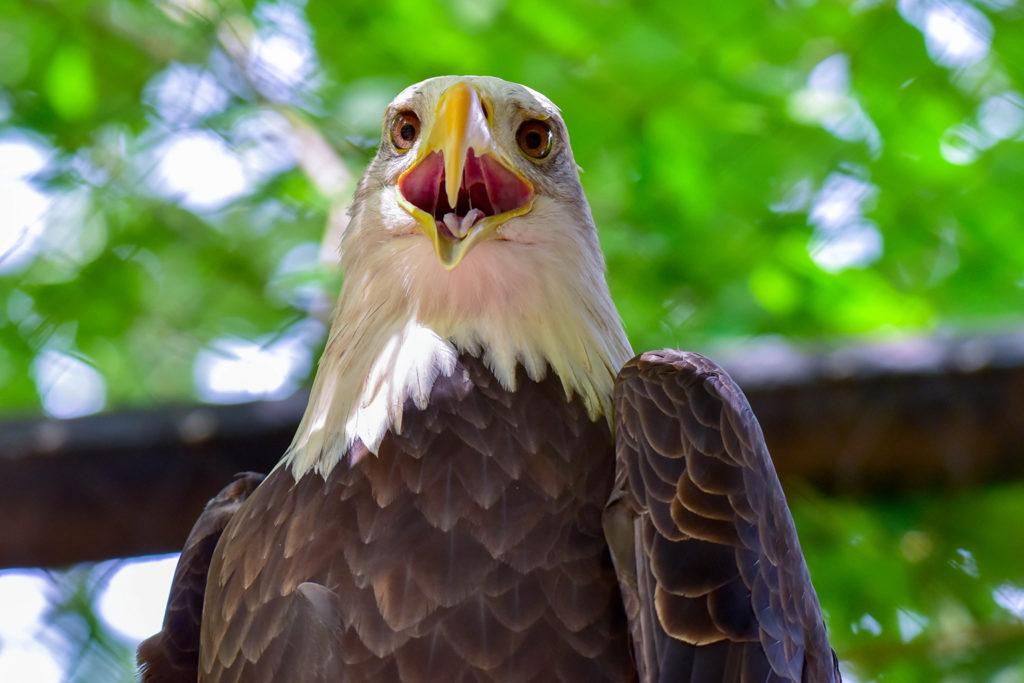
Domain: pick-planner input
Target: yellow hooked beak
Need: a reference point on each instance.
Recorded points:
(460, 187)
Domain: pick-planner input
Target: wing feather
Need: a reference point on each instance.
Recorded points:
(173, 653)
(714, 581)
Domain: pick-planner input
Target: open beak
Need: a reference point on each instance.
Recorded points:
(460, 187)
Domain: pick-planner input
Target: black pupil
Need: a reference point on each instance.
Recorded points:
(408, 132)
(533, 139)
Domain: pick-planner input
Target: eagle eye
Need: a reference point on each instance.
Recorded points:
(534, 138)
(405, 128)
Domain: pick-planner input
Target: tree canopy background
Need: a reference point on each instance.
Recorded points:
(819, 171)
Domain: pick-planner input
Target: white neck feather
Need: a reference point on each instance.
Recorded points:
(402, 320)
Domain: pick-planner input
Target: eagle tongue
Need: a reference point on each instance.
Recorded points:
(458, 227)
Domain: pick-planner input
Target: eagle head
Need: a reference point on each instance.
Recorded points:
(469, 233)
(470, 160)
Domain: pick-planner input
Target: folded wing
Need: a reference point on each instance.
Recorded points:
(712, 575)
(172, 655)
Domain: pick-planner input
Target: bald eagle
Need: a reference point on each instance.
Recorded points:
(484, 486)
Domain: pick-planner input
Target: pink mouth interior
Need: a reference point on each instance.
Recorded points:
(486, 186)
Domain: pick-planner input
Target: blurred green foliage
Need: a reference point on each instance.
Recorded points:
(809, 169)
(923, 588)
(724, 146)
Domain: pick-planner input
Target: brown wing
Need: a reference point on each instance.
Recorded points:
(172, 655)
(713, 578)
(287, 629)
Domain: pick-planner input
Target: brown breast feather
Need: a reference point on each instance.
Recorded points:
(469, 549)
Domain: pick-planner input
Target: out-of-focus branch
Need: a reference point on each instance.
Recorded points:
(126, 483)
(315, 155)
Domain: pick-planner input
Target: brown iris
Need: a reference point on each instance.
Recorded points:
(534, 138)
(405, 128)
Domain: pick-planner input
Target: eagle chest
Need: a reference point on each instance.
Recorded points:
(469, 548)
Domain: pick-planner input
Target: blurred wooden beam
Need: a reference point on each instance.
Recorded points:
(862, 421)
(917, 414)
(126, 483)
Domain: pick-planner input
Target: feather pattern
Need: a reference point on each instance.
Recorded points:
(172, 655)
(469, 549)
(713, 578)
